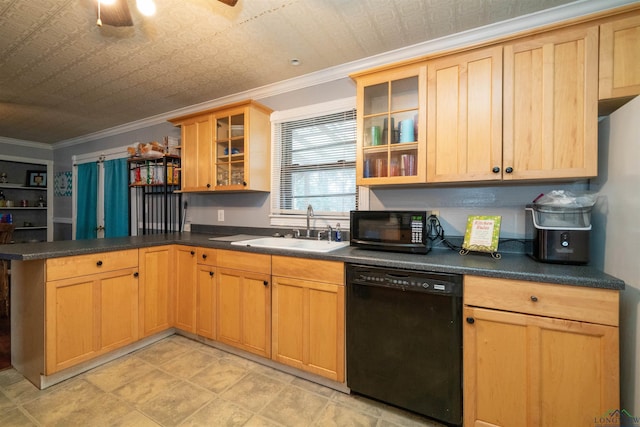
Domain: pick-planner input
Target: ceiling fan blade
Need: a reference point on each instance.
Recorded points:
(229, 2)
(116, 15)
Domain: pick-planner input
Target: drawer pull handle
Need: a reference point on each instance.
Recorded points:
(470, 320)
(534, 298)
(192, 252)
(204, 256)
(99, 263)
(211, 273)
(136, 274)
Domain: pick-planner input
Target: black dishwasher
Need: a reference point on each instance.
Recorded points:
(404, 339)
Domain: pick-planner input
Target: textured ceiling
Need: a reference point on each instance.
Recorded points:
(62, 77)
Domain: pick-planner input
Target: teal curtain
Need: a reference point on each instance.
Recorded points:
(116, 198)
(87, 203)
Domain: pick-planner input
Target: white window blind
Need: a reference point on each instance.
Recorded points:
(314, 164)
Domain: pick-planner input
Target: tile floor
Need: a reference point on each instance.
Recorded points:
(181, 382)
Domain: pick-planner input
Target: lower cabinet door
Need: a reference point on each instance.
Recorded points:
(525, 370)
(308, 326)
(206, 302)
(156, 290)
(88, 316)
(118, 310)
(244, 310)
(186, 287)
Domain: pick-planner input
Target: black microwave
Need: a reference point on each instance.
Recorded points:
(396, 231)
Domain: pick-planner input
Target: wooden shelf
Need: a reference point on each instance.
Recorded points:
(23, 208)
(20, 187)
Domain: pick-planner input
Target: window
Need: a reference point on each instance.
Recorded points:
(314, 164)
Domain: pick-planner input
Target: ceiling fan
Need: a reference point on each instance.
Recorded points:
(116, 12)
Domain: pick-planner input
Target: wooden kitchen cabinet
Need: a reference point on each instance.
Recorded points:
(387, 101)
(186, 287)
(206, 302)
(242, 148)
(619, 60)
(206, 293)
(92, 311)
(538, 354)
(226, 148)
(550, 105)
(308, 315)
(156, 289)
(196, 151)
(464, 116)
(244, 301)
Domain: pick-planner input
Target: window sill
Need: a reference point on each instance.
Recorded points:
(319, 222)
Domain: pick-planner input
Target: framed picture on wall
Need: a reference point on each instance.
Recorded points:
(36, 179)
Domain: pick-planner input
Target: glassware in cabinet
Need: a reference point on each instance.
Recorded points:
(230, 149)
(392, 108)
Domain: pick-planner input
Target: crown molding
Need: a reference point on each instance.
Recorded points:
(24, 143)
(474, 36)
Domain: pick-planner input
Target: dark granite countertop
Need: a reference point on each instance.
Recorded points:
(510, 266)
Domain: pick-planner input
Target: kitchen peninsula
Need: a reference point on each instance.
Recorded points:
(105, 300)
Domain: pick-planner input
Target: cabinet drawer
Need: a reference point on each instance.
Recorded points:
(309, 269)
(82, 265)
(207, 256)
(257, 263)
(543, 299)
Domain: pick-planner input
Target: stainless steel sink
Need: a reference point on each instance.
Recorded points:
(303, 245)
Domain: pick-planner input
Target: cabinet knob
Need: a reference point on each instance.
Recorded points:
(204, 256)
(534, 298)
(509, 169)
(208, 185)
(99, 263)
(265, 282)
(136, 274)
(211, 273)
(244, 183)
(192, 252)
(496, 169)
(470, 320)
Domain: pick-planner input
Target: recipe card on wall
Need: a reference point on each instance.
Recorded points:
(483, 233)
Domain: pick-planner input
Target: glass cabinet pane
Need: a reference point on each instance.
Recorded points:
(222, 139)
(404, 94)
(405, 126)
(376, 99)
(237, 173)
(373, 131)
(222, 177)
(404, 163)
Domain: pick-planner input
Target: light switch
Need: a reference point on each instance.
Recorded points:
(221, 215)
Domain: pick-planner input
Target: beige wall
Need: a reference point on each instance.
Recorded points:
(616, 234)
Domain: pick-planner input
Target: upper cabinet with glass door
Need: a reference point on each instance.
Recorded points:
(237, 158)
(391, 107)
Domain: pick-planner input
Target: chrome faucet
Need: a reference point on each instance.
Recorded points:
(309, 215)
(329, 232)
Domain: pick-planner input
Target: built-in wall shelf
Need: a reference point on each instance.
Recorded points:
(30, 209)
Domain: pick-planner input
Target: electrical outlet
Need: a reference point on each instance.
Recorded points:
(221, 215)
